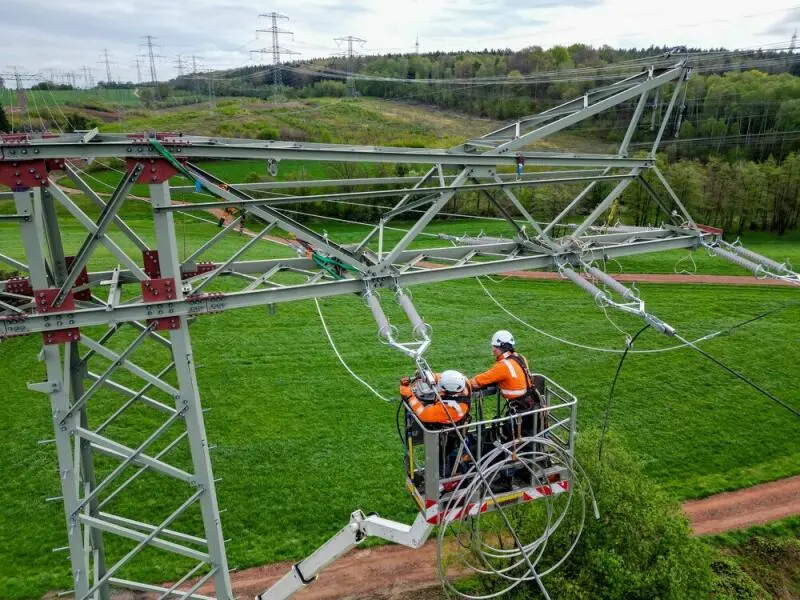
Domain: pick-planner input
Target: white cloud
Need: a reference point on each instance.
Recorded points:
(38, 36)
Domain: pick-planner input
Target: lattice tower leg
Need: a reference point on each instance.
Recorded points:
(57, 386)
(190, 396)
(83, 461)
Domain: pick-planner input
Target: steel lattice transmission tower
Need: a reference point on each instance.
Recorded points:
(87, 76)
(351, 84)
(108, 64)
(179, 64)
(152, 58)
(276, 48)
(138, 70)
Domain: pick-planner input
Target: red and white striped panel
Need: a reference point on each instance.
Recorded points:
(434, 516)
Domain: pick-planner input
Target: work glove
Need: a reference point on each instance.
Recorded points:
(405, 392)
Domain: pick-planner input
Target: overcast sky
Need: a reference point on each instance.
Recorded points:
(66, 35)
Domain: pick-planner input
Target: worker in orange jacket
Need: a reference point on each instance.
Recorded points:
(454, 391)
(510, 372)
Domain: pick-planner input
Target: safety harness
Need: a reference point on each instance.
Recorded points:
(531, 396)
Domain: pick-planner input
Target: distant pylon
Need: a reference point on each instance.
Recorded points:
(152, 57)
(351, 84)
(108, 65)
(276, 49)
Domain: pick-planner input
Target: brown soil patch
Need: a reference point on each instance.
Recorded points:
(396, 572)
(746, 507)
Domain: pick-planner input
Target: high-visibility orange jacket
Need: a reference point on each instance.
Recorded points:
(507, 374)
(457, 408)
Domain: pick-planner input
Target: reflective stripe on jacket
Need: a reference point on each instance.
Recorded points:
(437, 412)
(507, 374)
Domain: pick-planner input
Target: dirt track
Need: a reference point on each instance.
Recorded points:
(395, 572)
(744, 508)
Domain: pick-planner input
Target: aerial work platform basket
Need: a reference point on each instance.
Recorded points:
(500, 455)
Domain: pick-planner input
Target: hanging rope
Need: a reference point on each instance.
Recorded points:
(607, 415)
(585, 346)
(744, 379)
(339, 356)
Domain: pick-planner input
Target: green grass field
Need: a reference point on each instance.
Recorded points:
(300, 444)
(48, 99)
(353, 121)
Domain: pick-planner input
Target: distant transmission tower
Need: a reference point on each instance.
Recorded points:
(17, 78)
(793, 43)
(179, 65)
(416, 45)
(195, 83)
(351, 84)
(152, 58)
(138, 70)
(87, 76)
(276, 49)
(107, 64)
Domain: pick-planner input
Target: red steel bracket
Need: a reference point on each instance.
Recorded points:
(15, 138)
(55, 164)
(202, 267)
(151, 264)
(23, 175)
(160, 135)
(82, 279)
(19, 285)
(710, 229)
(59, 334)
(156, 170)
(156, 292)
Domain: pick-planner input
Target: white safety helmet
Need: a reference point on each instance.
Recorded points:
(452, 382)
(502, 337)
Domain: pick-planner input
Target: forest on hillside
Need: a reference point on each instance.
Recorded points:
(730, 149)
(752, 113)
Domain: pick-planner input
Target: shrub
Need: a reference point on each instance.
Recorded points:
(640, 548)
(268, 133)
